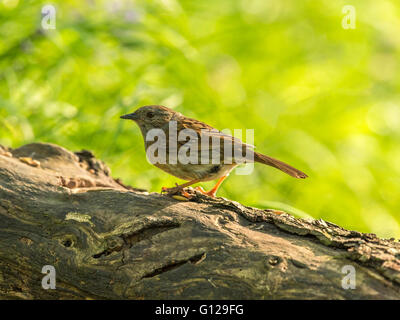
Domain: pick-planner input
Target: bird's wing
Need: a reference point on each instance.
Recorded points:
(217, 141)
(209, 131)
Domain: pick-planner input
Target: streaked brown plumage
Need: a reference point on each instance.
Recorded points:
(160, 117)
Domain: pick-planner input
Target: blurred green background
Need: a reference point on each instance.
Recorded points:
(320, 97)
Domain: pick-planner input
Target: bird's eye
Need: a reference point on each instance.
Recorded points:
(150, 114)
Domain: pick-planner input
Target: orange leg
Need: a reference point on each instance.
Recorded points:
(214, 190)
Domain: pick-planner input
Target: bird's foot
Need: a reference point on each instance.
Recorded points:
(210, 193)
(175, 190)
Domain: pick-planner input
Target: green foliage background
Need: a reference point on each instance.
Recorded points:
(320, 97)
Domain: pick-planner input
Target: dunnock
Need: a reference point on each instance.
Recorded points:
(204, 168)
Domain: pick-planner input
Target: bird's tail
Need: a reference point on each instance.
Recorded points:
(261, 158)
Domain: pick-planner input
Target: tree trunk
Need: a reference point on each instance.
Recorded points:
(110, 241)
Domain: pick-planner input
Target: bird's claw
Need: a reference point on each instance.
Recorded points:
(175, 190)
(210, 193)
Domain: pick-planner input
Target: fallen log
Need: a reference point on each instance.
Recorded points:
(106, 240)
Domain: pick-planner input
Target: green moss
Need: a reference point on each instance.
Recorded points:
(80, 217)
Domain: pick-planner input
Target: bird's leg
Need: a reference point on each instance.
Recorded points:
(179, 188)
(214, 190)
(200, 189)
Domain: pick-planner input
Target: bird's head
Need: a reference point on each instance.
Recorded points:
(151, 117)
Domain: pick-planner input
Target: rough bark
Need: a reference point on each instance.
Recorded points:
(110, 241)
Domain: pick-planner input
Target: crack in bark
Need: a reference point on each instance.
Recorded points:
(171, 266)
(129, 240)
(148, 232)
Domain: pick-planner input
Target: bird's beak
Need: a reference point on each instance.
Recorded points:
(130, 116)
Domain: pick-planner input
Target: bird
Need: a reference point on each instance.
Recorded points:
(214, 162)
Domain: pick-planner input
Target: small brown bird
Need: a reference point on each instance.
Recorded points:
(229, 151)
